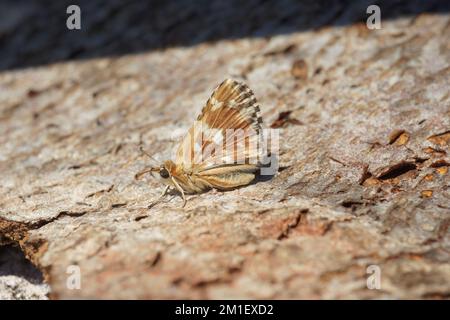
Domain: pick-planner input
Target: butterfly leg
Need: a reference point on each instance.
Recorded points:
(159, 198)
(177, 186)
(164, 192)
(184, 198)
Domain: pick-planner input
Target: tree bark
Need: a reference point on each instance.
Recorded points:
(364, 123)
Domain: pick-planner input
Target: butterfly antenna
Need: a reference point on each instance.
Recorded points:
(138, 175)
(147, 154)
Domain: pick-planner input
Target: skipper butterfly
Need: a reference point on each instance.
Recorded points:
(223, 149)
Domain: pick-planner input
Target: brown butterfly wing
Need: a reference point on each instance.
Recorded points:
(233, 106)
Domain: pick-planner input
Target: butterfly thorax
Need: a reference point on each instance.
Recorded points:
(182, 177)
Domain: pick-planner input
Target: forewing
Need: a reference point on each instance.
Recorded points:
(227, 131)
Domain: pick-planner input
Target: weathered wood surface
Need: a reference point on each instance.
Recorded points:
(364, 158)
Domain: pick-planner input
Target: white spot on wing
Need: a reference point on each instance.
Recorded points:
(218, 138)
(215, 104)
(232, 103)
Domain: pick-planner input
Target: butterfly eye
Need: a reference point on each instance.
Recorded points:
(164, 173)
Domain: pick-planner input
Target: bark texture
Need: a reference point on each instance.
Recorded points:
(364, 120)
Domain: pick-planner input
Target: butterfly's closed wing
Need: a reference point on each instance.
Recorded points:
(232, 105)
(223, 146)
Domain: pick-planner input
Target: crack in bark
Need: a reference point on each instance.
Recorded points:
(39, 224)
(397, 170)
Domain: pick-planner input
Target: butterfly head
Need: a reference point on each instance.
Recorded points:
(164, 173)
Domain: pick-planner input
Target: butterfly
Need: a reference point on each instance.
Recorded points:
(222, 150)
